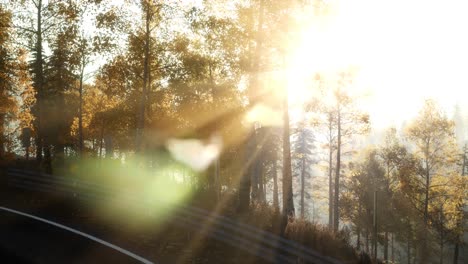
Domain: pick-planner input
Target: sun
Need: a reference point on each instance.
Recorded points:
(404, 55)
(319, 50)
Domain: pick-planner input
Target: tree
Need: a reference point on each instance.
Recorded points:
(38, 83)
(135, 74)
(150, 15)
(89, 43)
(302, 147)
(212, 67)
(432, 135)
(251, 20)
(325, 120)
(456, 214)
(365, 191)
(445, 212)
(204, 74)
(35, 31)
(343, 118)
(59, 73)
(109, 108)
(7, 77)
(288, 202)
(460, 130)
(331, 143)
(27, 94)
(400, 216)
(267, 30)
(392, 154)
(285, 20)
(272, 149)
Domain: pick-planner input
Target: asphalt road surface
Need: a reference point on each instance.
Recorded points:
(29, 239)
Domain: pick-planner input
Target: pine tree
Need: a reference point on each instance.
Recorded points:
(302, 149)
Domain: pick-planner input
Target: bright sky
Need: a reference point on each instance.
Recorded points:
(406, 51)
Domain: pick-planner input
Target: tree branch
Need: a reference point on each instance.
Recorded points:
(25, 29)
(35, 4)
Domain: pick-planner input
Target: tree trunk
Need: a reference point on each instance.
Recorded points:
(59, 147)
(39, 81)
(426, 194)
(441, 260)
(358, 227)
(374, 235)
(217, 184)
(302, 187)
(38, 143)
(367, 240)
(441, 241)
(275, 183)
(288, 202)
(244, 186)
(261, 191)
(330, 186)
(100, 147)
(423, 254)
(144, 93)
(336, 211)
(426, 200)
(393, 249)
(386, 246)
(255, 168)
(2, 144)
(216, 165)
(408, 247)
(59, 154)
(47, 159)
(358, 239)
(109, 146)
(101, 140)
(455, 253)
(80, 112)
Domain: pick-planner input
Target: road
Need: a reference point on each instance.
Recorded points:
(29, 239)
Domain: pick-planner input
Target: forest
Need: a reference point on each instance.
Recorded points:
(232, 105)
